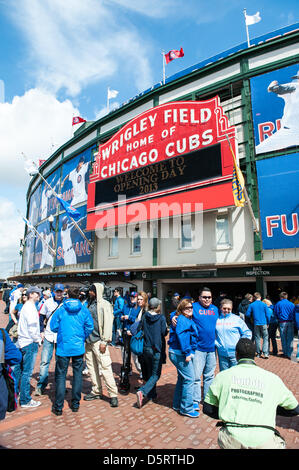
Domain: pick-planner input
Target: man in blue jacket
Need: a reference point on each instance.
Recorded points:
(73, 324)
(205, 316)
(118, 310)
(9, 356)
(261, 320)
(284, 311)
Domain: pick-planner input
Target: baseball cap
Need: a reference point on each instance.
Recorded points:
(34, 290)
(176, 294)
(20, 285)
(133, 294)
(154, 302)
(58, 287)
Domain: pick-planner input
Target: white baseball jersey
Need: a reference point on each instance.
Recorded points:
(69, 254)
(44, 204)
(288, 134)
(77, 179)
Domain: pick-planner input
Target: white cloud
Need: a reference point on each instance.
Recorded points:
(11, 231)
(35, 124)
(76, 43)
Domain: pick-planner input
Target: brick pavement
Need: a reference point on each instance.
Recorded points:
(154, 426)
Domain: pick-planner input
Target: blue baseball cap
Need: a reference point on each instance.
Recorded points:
(20, 285)
(133, 294)
(176, 294)
(58, 287)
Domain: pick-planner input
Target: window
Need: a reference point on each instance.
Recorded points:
(222, 231)
(113, 245)
(186, 234)
(136, 241)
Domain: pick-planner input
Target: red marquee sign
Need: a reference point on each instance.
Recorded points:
(173, 152)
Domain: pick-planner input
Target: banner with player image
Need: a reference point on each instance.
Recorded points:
(48, 202)
(275, 109)
(75, 178)
(34, 208)
(28, 258)
(43, 257)
(71, 246)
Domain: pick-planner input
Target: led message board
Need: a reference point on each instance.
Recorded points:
(176, 152)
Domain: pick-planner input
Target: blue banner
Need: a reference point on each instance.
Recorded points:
(71, 246)
(279, 201)
(275, 109)
(34, 210)
(43, 257)
(75, 178)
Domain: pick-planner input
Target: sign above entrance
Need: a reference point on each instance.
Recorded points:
(173, 148)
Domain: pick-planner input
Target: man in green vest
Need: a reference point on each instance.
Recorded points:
(247, 398)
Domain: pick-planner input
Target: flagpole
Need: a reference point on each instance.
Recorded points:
(108, 99)
(37, 233)
(245, 190)
(247, 33)
(163, 54)
(75, 223)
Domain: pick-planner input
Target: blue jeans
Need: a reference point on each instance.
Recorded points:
(261, 332)
(183, 393)
(117, 325)
(152, 366)
(29, 354)
(61, 368)
(226, 362)
(204, 365)
(287, 335)
(46, 356)
(272, 336)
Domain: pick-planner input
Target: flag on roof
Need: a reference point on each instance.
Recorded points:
(174, 54)
(77, 120)
(252, 19)
(112, 93)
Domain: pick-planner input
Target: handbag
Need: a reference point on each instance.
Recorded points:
(136, 343)
(13, 331)
(9, 380)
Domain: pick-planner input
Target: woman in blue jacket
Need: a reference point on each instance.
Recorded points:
(182, 344)
(73, 324)
(229, 329)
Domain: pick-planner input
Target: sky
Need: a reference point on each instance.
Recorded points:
(58, 58)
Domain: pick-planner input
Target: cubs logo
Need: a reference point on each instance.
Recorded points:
(172, 55)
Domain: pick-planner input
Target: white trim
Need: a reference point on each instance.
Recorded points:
(200, 83)
(126, 117)
(80, 144)
(210, 280)
(273, 56)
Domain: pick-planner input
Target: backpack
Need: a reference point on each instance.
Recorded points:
(10, 383)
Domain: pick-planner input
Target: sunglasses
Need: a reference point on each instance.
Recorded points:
(206, 297)
(189, 308)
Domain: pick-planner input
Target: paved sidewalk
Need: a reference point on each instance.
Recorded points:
(154, 426)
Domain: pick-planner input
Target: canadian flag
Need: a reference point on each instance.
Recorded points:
(173, 54)
(77, 119)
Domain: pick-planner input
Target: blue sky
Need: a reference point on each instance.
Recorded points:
(59, 57)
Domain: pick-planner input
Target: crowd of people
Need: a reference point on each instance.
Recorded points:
(79, 324)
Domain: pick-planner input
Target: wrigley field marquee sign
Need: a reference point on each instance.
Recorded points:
(173, 153)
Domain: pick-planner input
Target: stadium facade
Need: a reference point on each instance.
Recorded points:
(171, 149)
